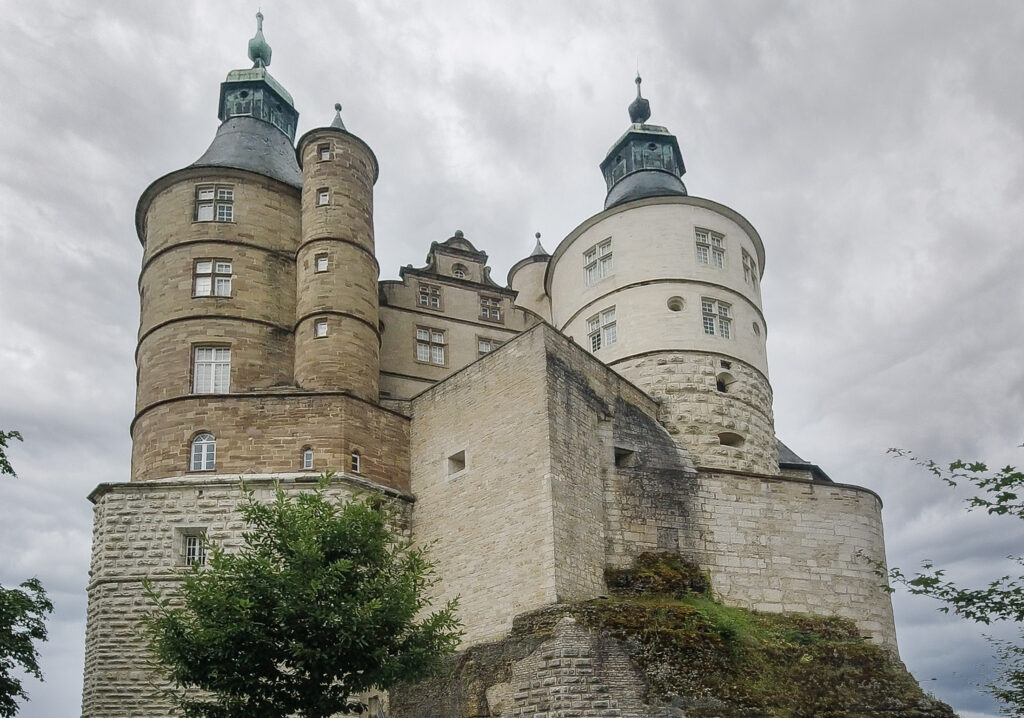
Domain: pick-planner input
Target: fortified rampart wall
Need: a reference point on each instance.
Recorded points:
(139, 532)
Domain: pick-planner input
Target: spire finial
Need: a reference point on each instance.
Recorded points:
(538, 251)
(259, 49)
(639, 109)
(337, 117)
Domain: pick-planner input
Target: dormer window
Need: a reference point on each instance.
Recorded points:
(459, 271)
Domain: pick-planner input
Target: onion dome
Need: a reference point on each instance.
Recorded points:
(645, 161)
(258, 120)
(639, 109)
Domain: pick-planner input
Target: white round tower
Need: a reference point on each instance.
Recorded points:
(665, 289)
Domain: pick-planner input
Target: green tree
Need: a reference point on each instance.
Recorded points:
(5, 464)
(22, 615)
(322, 601)
(1001, 493)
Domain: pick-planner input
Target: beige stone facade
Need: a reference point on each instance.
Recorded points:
(612, 400)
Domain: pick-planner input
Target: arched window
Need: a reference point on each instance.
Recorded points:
(204, 453)
(307, 458)
(356, 462)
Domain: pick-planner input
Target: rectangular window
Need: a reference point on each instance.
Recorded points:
(211, 277)
(430, 345)
(211, 370)
(429, 296)
(307, 458)
(490, 309)
(323, 152)
(323, 197)
(356, 463)
(320, 328)
(597, 262)
(710, 248)
(602, 330)
(716, 317)
(749, 269)
(486, 346)
(215, 203)
(195, 550)
(320, 262)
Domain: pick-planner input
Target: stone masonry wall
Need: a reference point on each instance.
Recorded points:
(138, 533)
(695, 412)
(266, 434)
(588, 406)
(787, 545)
(490, 524)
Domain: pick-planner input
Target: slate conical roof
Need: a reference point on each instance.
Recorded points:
(258, 119)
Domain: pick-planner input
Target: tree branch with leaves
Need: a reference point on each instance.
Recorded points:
(23, 613)
(999, 493)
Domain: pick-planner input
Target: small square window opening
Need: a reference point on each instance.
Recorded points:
(457, 463)
(320, 262)
(320, 328)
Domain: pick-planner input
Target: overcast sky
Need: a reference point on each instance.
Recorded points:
(878, 147)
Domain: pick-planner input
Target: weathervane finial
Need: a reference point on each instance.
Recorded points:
(639, 109)
(259, 48)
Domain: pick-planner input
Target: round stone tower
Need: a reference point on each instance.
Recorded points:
(337, 329)
(217, 282)
(665, 289)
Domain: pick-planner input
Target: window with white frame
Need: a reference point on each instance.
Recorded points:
(430, 345)
(749, 269)
(307, 458)
(204, 453)
(320, 328)
(717, 317)
(601, 329)
(194, 549)
(459, 271)
(211, 278)
(211, 370)
(356, 463)
(215, 203)
(320, 262)
(323, 152)
(597, 262)
(323, 197)
(429, 296)
(490, 309)
(486, 346)
(710, 248)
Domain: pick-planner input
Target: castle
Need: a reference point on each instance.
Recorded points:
(611, 399)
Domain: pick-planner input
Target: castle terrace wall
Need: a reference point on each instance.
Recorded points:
(588, 407)
(775, 544)
(138, 533)
(266, 433)
(490, 524)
